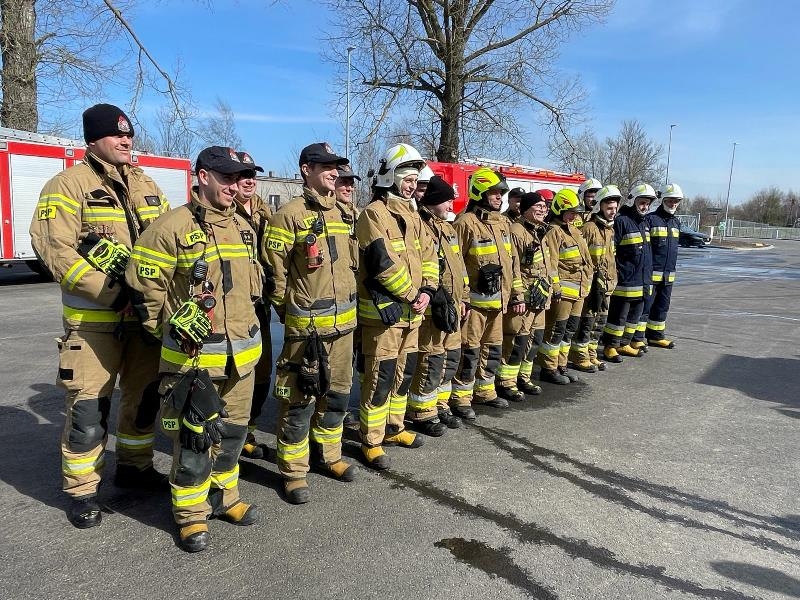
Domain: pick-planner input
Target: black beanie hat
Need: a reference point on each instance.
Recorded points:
(102, 120)
(529, 200)
(438, 191)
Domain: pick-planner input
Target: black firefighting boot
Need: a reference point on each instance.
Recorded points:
(553, 376)
(376, 457)
(251, 448)
(639, 345)
(128, 476)
(565, 372)
(351, 421)
(84, 512)
(341, 470)
(240, 513)
(628, 350)
(601, 366)
(431, 427)
(512, 394)
(449, 419)
(611, 355)
(494, 402)
(297, 491)
(662, 343)
(528, 388)
(194, 537)
(465, 412)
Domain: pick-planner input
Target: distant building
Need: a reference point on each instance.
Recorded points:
(278, 190)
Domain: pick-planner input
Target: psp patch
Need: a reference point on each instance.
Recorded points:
(46, 212)
(148, 271)
(196, 235)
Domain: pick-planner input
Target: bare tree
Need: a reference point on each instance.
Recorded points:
(629, 158)
(59, 53)
(219, 129)
(473, 68)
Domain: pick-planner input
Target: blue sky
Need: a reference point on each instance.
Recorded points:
(722, 70)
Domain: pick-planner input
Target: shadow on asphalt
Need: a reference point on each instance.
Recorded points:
(612, 486)
(757, 576)
(532, 533)
(773, 379)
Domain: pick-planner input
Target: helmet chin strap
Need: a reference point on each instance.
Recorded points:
(670, 209)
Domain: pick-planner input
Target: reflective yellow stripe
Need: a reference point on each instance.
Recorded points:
(75, 272)
(657, 325)
(628, 292)
(483, 250)
(281, 235)
(180, 359)
(374, 416)
(658, 232)
(397, 405)
(344, 319)
(227, 480)
(248, 355)
(189, 496)
(92, 214)
(287, 452)
(567, 253)
(398, 245)
(88, 315)
(631, 238)
(143, 254)
(399, 283)
(135, 441)
(658, 277)
(68, 204)
(81, 466)
(323, 435)
(597, 251)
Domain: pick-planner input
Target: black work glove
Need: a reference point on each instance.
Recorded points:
(596, 294)
(200, 423)
(389, 309)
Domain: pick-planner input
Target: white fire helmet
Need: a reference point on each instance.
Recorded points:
(425, 174)
(638, 191)
(398, 155)
(670, 190)
(609, 192)
(587, 186)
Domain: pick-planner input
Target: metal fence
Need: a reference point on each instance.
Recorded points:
(691, 221)
(748, 229)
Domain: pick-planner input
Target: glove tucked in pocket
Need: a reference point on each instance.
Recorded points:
(597, 294)
(314, 376)
(389, 309)
(200, 425)
(489, 278)
(538, 293)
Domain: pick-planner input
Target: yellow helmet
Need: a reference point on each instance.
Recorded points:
(482, 181)
(566, 199)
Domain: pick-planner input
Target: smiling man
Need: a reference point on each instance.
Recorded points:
(195, 279)
(86, 221)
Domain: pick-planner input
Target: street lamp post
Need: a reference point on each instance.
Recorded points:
(347, 116)
(669, 151)
(728, 197)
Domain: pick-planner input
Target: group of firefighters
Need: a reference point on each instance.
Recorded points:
(436, 316)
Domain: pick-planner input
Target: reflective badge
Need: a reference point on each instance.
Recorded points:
(47, 212)
(282, 391)
(148, 271)
(198, 235)
(152, 200)
(275, 245)
(169, 424)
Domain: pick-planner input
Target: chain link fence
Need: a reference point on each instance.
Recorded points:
(747, 229)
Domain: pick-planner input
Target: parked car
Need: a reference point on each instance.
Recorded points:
(690, 238)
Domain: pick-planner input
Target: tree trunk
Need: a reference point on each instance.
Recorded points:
(19, 108)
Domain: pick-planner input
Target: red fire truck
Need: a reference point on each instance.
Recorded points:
(29, 160)
(528, 178)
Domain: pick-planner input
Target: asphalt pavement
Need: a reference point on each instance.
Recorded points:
(674, 475)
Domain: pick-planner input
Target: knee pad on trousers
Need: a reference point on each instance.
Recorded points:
(193, 468)
(433, 378)
(89, 423)
(584, 332)
(453, 358)
(408, 373)
(557, 336)
(148, 407)
(571, 327)
(469, 364)
(518, 349)
(233, 437)
(386, 371)
(360, 362)
(294, 429)
(493, 357)
(333, 416)
(260, 394)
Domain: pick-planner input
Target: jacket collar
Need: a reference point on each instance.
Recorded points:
(326, 202)
(103, 168)
(398, 205)
(205, 213)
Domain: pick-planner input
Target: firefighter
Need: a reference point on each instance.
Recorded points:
(512, 382)
(664, 237)
(495, 286)
(86, 222)
(586, 194)
(309, 242)
(195, 277)
(514, 197)
(571, 275)
(252, 208)
(396, 281)
(425, 175)
(631, 233)
(538, 229)
(439, 335)
(599, 235)
(579, 350)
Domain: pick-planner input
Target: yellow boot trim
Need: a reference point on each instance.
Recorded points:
(610, 352)
(404, 438)
(188, 530)
(629, 351)
(237, 512)
(291, 485)
(338, 468)
(373, 453)
(663, 343)
(637, 344)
